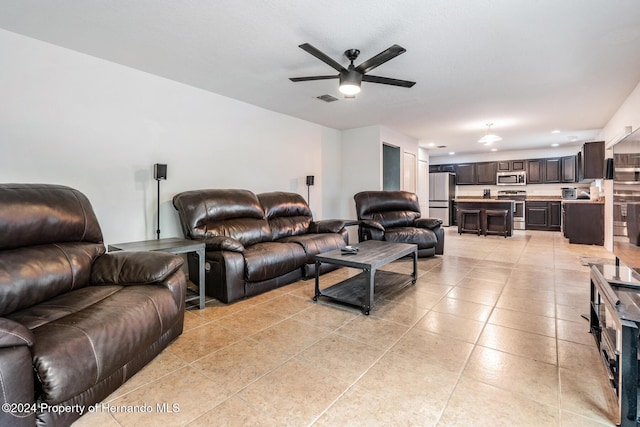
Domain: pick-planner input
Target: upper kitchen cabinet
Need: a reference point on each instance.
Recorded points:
(535, 171)
(511, 165)
(486, 173)
(466, 174)
(552, 170)
(569, 169)
(592, 166)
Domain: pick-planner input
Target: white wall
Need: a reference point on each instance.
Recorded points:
(72, 119)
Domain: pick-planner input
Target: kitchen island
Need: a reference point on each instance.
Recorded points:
(482, 205)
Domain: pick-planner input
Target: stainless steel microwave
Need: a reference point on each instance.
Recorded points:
(511, 178)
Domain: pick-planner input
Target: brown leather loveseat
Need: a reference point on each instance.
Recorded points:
(75, 323)
(255, 243)
(394, 216)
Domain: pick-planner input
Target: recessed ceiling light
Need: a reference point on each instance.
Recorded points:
(494, 149)
(431, 144)
(555, 131)
(572, 138)
(451, 153)
(554, 145)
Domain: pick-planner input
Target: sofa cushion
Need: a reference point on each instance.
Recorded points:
(287, 213)
(41, 214)
(231, 213)
(424, 238)
(389, 208)
(314, 244)
(267, 260)
(136, 317)
(34, 274)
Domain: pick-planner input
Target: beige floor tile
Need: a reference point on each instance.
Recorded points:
(193, 320)
(534, 380)
(197, 395)
(339, 356)
(495, 274)
(580, 357)
(523, 321)
(451, 326)
(575, 313)
(98, 418)
(474, 295)
(286, 304)
(224, 368)
(577, 332)
(234, 412)
(520, 343)
(248, 322)
(290, 336)
(465, 309)
(526, 305)
(588, 396)
(405, 314)
(373, 331)
(476, 404)
(425, 348)
(295, 394)
(198, 342)
(569, 419)
(421, 295)
(329, 317)
(215, 309)
(538, 295)
(480, 284)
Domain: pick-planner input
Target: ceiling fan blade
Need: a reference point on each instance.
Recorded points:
(387, 81)
(321, 56)
(306, 79)
(380, 58)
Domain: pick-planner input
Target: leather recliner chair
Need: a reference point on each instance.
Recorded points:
(75, 322)
(394, 216)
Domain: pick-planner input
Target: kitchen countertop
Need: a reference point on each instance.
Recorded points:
(595, 202)
(481, 200)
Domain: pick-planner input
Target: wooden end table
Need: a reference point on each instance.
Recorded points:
(173, 245)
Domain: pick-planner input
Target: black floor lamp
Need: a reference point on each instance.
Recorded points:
(159, 173)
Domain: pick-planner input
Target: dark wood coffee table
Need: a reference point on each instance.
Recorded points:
(372, 254)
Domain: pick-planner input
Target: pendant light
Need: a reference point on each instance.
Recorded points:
(489, 138)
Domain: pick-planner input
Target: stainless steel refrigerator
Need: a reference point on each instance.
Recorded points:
(442, 191)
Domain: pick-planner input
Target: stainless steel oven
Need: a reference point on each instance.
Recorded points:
(511, 178)
(518, 197)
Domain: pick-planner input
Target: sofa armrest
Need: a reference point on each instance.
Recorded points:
(13, 334)
(16, 374)
(223, 243)
(371, 224)
(134, 268)
(430, 223)
(327, 226)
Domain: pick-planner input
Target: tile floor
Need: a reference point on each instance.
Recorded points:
(492, 334)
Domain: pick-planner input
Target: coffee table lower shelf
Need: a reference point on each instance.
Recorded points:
(353, 291)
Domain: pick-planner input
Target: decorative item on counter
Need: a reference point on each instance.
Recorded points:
(594, 193)
(486, 193)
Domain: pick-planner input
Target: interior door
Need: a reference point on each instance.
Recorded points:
(409, 172)
(423, 186)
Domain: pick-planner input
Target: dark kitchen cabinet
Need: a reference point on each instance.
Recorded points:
(569, 169)
(552, 170)
(466, 174)
(593, 160)
(543, 215)
(511, 165)
(486, 173)
(535, 171)
(536, 215)
(584, 222)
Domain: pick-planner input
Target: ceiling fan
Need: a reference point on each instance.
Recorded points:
(352, 77)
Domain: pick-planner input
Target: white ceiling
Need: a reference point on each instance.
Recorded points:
(527, 66)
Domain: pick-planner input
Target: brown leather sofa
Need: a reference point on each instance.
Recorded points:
(255, 243)
(75, 323)
(394, 216)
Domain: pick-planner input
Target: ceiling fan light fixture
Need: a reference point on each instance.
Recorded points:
(350, 82)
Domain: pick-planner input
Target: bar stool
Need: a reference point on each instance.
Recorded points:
(469, 221)
(501, 224)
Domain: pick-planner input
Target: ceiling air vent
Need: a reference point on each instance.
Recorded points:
(327, 98)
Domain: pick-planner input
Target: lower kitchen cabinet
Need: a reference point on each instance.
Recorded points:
(542, 215)
(583, 222)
